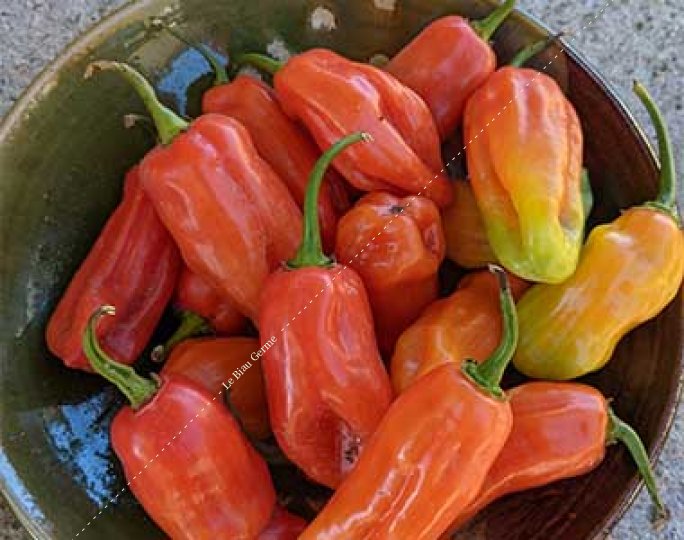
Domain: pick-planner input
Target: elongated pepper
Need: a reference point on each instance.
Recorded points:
(134, 265)
(526, 171)
(231, 216)
(447, 62)
(429, 456)
(560, 430)
(629, 270)
(333, 96)
(326, 385)
(158, 437)
(467, 324)
(396, 245)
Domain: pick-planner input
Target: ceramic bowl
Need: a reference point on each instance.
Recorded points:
(63, 152)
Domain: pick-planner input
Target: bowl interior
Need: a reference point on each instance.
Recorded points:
(63, 155)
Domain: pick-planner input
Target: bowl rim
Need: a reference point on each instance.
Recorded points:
(81, 45)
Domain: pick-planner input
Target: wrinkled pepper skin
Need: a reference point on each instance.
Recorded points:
(560, 430)
(526, 173)
(466, 324)
(185, 457)
(466, 237)
(284, 145)
(283, 526)
(133, 265)
(194, 294)
(424, 464)
(327, 387)
(431, 453)
(396, 245)
(210, 362)
(333, 96)
(629, 271)
(444, 65)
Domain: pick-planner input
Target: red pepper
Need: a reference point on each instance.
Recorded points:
(560, 430)
(134, 265)
(283, 144)
(396, 245)
(184, 456)
(447, 62)
(283, 526)
(229, 213)
(326, 385)
(429, 456)
(333, 96)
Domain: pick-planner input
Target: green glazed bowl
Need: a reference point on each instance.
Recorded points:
(63, 153)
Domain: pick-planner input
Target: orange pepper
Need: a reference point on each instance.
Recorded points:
(396, 245)
(467, 324)
(210, 362)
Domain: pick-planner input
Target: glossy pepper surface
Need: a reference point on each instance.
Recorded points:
(333, 96)
(629, 271)
(447, 62)
(227, 493)
(526, 172)
(134, 265)
(282, 143)
(326, 385)
(231, 216)
(560, 430)
(396, 245)
(467, 324)
(429, 457)
(283, 526)
(211, 362)
(466, 237)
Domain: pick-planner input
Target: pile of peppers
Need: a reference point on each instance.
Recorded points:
(296, 236)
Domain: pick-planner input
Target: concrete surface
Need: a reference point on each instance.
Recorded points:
(631, 39)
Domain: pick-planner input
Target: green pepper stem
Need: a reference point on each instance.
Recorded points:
(668, 178)
(618, 430)
(137, 389)
(168, 123)
(310, 251)
(533, 49)
(220, 71)
(488, 375)
(486, 27)
(260, 61)
(191, 325)
(587, 193)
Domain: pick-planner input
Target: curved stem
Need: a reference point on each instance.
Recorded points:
(191, 325)
(668, 179)
(220, 71)
(137, 389)
(488, 374)
(620, 431)
(486, 27)
(259, 61)
(523, 55)
(310, 251)
(168, 123)
(587, 193)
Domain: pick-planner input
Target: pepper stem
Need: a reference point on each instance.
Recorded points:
(220, 71)
(488, 375)
(310, 251)
(486, 27)
(533, 49)
(137, 389)
(191, 325)
(620, 431)
(587, 193)
(668, 177)
(260, 61)
(168, 123)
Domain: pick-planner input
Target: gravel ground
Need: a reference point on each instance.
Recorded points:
(631, 39)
